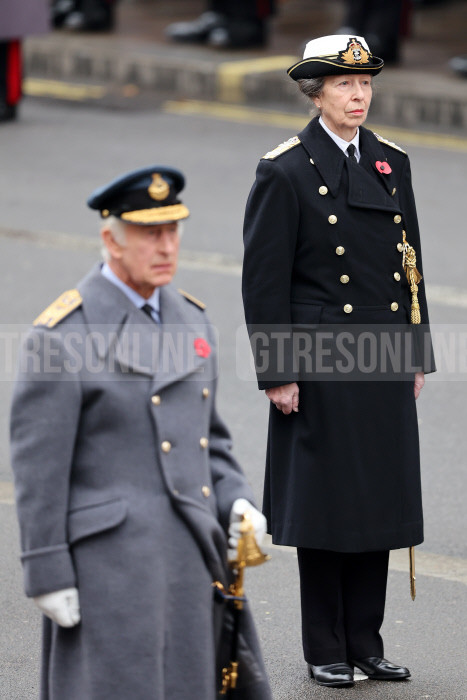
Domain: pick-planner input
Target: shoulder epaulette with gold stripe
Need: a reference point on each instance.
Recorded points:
(282, 148)
(59, 309)
(389, 143)
(193, 299)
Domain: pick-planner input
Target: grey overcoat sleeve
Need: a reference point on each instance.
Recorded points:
(44, 422)
(228, 479)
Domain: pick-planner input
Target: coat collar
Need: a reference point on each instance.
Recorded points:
(164, 352)
(109, 315)
(364, 181)
(182, 327)
(326, 155)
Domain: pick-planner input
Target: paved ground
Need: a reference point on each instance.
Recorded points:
(52, 159)
(421, 90)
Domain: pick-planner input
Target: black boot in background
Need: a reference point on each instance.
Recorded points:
(91, 15)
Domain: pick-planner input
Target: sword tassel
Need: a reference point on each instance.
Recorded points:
(409, 263)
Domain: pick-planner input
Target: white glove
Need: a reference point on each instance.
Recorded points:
(61, 606)
(243, 507)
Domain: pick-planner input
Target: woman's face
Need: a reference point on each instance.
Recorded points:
(344, 103)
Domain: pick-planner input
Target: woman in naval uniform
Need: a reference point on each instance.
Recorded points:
(330, 230)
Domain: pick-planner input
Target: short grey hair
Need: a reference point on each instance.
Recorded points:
(311, 87)
(118, 229)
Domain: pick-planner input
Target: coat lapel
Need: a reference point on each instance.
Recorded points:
(372, 153)
(327, 157)
(179, 351)
(137, 349)
(368, 188)
(119, 331)
(365, 189)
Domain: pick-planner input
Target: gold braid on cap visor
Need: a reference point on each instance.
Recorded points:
(363, 67)
(157, 214)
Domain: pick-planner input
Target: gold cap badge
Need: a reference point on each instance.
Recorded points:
(354, 53)
(159, 188)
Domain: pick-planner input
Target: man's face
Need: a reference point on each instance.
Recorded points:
(147, 258)
(344, 103)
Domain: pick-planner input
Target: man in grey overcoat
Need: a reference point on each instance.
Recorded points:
(126, 486)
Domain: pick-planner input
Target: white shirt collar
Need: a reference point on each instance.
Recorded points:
(343, 145)
(133, 296)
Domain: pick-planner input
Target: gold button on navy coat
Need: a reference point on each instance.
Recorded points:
(312, 260)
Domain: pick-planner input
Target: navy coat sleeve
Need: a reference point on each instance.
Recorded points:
(270, 236)
(422, 335)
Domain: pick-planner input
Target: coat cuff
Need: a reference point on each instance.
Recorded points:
(423, 348)
(47, 569)
(242, 491)
(275, 353)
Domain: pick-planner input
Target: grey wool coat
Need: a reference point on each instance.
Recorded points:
(125, 480)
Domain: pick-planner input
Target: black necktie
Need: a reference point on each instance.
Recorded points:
(149, 310)
(351, 151)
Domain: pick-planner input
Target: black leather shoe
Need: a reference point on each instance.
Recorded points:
(60, 10)
(238, 34)
(101, 21)
(332, 675)
(459, 65)
(196, 31)
(378, 669)
(219, 31)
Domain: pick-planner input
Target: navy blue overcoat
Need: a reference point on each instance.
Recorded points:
(324, 248)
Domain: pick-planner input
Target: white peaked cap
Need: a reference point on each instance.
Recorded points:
(336, 54)
(331, 45)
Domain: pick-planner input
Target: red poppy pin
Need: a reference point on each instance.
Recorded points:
(202, 347)
(383, 167)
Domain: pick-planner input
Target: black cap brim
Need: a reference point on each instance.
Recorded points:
(144, 196)
(320, 67)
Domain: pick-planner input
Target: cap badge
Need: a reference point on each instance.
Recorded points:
(354, 53)
(159, 188)
(383, 167)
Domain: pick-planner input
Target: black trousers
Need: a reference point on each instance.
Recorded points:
(342, 598)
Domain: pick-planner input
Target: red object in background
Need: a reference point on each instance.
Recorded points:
(264, 8)
(202, 347)
(13, 73)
